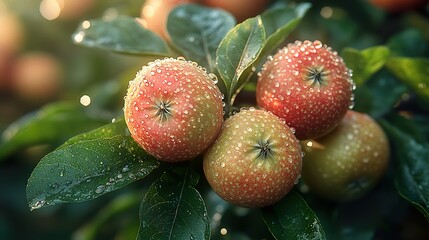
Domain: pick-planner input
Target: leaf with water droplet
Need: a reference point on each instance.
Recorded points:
(279, 22)
(173, 209)
(411, 164)
(366, 62)
(46, 126)
(292, 218)
(414, 73)
(122, 34)
(197, 31)
(237, 53)
(75, 170)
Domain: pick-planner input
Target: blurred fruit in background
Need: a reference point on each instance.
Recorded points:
(11, 39)
(241, 9)
(65, 9)
(37, 77)
(154, 14)
(398, 5)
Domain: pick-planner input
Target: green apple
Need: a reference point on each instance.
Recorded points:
(349, 161)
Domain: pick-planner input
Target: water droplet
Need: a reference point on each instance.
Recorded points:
(100, 189)
(317, 44)
(191, 39)
(125, 169)
(38, 205)
(213, 77)
(53, 186)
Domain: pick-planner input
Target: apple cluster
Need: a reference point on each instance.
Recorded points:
(302, 125)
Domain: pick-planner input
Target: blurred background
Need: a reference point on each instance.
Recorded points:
(40, 65)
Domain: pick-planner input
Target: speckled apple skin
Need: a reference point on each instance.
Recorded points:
(312, 108)
(235, 170)
(349, 161)
(194, 104)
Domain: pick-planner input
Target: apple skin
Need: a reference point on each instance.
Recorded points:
(240, 9)
(255, 161)
(308, 85)
(173, 109)
(348, 162)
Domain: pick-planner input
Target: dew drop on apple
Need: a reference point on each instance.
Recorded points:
(351, 105)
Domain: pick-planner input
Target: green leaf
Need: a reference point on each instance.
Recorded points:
(292, 218)
(237, 54)
(54, 123)
(173, 209)
(197, 31)
(412, 168)
(279, 23)
(380, 94)
(121, 34)
(409, 43)
(413, 72)
(87, 166)
(366, 62)
(125, 202)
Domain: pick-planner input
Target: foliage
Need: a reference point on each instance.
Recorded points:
(100, 157)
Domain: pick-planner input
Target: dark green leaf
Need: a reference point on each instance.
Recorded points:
(120, 204)
(409, 43)
(411, 160)
(279, 23)
(413, 72)
(237, 54)
(197, 31)
(292, 218)
(88, 166)
(380, 94)
(121, 34)
(54, 123)
(173, 209)
(366, 62)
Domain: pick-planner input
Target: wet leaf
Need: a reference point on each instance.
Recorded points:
(87, 166)
(121, 34)
(292, 218)
(366, 62)
(380, 94)
(47, 125)
(412, 167)
(173, 209)
(279, 23)
(413, 72)
(237, 54)
(197, 31)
